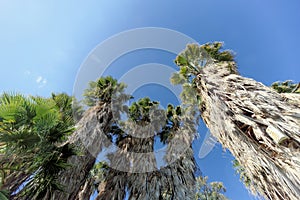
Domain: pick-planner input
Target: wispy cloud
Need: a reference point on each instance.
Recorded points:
(27, 72)
(41, 81)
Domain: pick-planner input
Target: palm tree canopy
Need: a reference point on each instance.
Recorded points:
(259, 126)
(31, 129)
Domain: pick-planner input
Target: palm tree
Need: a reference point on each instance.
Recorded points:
(129, 165)
(42, 157)
(61, 168)
(120, 174)
(30, 129)
(76, 176)
(138, 176)
(258, 125)
(90, 138)
(178, 134)
(209, 191)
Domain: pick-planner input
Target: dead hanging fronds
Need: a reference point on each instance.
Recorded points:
(258, 125)
(244, 114)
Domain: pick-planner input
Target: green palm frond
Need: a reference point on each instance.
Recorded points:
(192, 59)
(68, 107)
(286, 87)
(214, 50)
(140, 110)
(4, 195)
(209, 191)
(11, 97)
(102, 90)
(20, 139)
(16, 109)
(30, 129)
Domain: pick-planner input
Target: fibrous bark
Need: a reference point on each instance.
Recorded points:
(134, 172)
(90, 139)
(131, 165)
(243, 115)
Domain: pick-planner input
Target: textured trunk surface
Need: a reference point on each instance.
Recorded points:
(90, 138)
(126, 164)
(178, 178)
(14, 180)
(179, 175)
(238, 111)
(175, 181)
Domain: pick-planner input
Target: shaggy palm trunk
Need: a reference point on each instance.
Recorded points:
(179, 179)
(259, 126)
(180, 171)
(14, 180)
(140, 175)
(90, 139)
(131, 166)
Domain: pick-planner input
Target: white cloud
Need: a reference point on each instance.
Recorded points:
(39, 79)
(27, 72)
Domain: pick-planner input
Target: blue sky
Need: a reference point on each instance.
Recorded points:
(42, 45)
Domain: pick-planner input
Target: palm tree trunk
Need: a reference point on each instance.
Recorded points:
(90, 139)
(145, 181)
(86, 190)
(130, 169)
(14, 180)
(259, 126)
(179, 178)
(180, 171)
